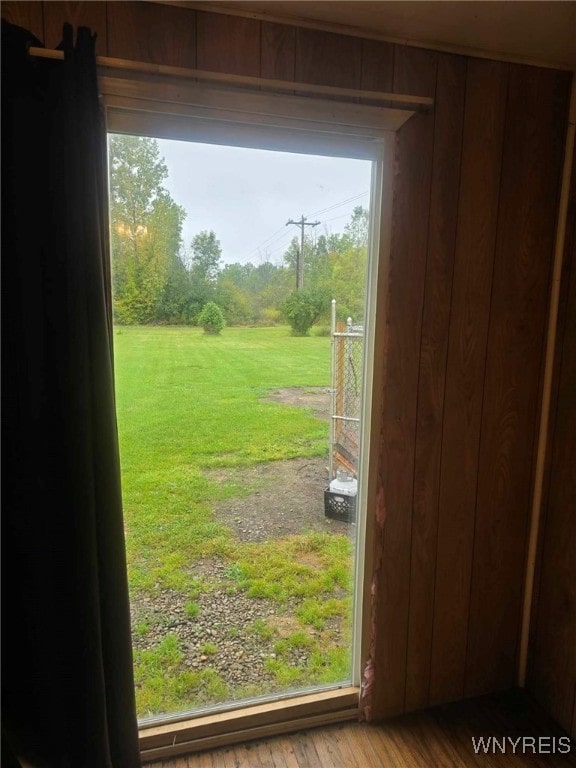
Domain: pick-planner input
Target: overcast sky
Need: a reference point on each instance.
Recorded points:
(246, 196)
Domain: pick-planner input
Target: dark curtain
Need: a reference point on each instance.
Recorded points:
(67, 680)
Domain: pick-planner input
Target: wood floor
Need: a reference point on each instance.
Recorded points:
(438, 738)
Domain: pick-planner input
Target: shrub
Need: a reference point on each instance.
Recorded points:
(211, 318)
(269, 316)
(302, 308)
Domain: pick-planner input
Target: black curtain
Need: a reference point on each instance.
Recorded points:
(67, 679)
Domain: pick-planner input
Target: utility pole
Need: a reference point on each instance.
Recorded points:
(300, 259)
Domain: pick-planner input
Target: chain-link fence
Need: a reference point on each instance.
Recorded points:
(346, 390)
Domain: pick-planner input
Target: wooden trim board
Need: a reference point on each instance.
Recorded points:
(398, 101)
(272, 717)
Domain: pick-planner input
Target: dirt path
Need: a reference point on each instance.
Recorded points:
(289, 495)
(315, 398)
(289, 500)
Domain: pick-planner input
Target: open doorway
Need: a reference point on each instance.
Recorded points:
(241, 286)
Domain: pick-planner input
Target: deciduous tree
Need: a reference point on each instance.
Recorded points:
(146, 229)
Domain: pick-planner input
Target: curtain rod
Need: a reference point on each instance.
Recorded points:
(400, 101)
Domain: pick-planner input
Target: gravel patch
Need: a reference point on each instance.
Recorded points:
(283, 498)
(225, 621)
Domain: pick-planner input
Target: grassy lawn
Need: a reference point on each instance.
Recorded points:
(187, 404)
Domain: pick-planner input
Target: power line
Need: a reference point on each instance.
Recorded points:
(273, 244)
(281, 245)
(342, 215)
(300, 259)
(273, 237)
(337, 205)
(263, 243)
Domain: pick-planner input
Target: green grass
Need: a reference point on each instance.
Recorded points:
(170, 380)
(260, 628)
(315, 613)
(273, 569)
(164, 685)
(191, 609)
(189, 403)
(209, 649)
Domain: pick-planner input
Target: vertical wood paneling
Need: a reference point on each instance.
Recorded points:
(449, 112)
(550, 458)
(79, 14)
(414, 70)
(562, 318)
(27, 15)
(160, 34)
(278, 53)
(475, 242)
(534, 139)
(552, 677)
(228, 44)
(324, 58)
(464, 338)
(377, 66)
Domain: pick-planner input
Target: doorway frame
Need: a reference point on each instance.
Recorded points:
(162, 108)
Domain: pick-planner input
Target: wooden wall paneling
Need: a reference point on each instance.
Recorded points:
(228, 44)
(570, 234)
(27, 15)
(448, 124)
(564, 295)
(553, 680)
(414, 72)
(572, 730)
(377, 66)
(552, 654)
(445, 526)
(159, 34)
(534, 140)
(278, 51)
(475, 243)
(79, 14)
(325, 58)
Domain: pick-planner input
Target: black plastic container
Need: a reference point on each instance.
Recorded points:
(339, 506)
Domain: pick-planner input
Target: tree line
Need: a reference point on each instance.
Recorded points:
(158, 279)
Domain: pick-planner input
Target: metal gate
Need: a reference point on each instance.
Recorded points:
(347, 360)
